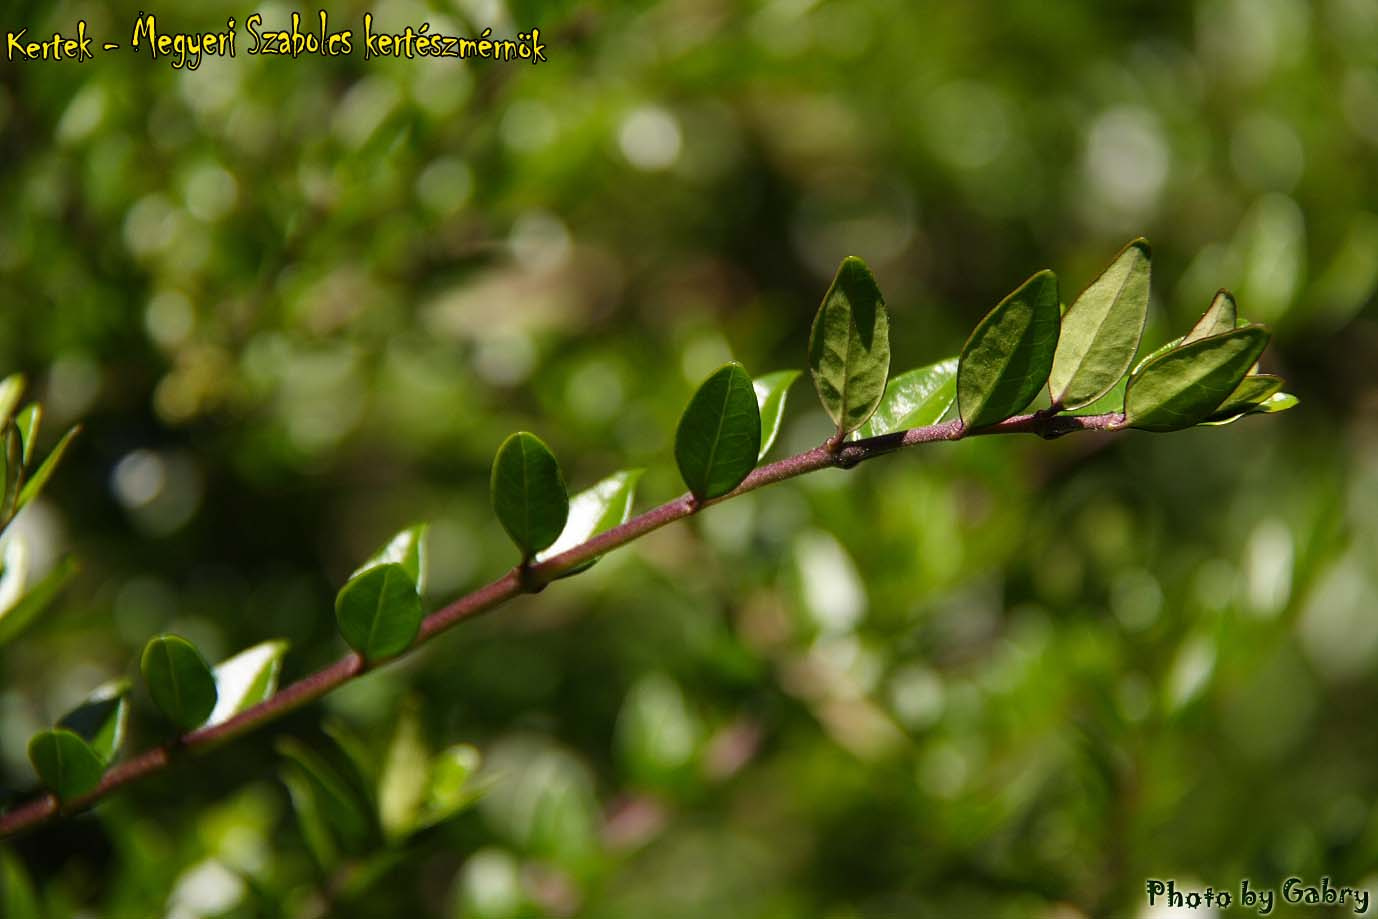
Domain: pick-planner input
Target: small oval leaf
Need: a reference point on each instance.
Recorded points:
(408, 549)
(719, 434)
(65, 763)
(528, 493)
(593, 510)
(245, 680)
(101, 719)
(771, 390)
(914, 399)
(1184, 387)
(179, 680)
(849, 347)
(1222, 316)
(1007, 359)
(379, 612)
(1101, 330)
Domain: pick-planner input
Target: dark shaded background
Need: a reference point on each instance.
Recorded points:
(296, 305)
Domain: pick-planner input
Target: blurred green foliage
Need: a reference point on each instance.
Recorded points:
(297, 304)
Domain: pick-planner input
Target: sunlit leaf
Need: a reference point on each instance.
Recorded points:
(245, 680)
(23, 610)
(11, 388)
(379, 612)
(179, 680)
(451, 788)
(65, 763)
(34, 486)
(914, 399)
(408, 549)
(11, 473)
(849, 346)
(1101, 330)
(27, 421)
(528, 493)
(1222, 316)
(1006, 360)
(600, 507)
(771, 390)
(1255, 394)
(1185, 386)
(101, 719)
(405, 773)
(719, 435)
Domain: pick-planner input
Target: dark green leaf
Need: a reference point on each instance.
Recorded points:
(771, 390)
(35, 484)
(1222, 316)
(379, 612)
(27, 421)
(245, 680)
(1101, 330)
(14, 620)
(339, 803)
(593, 510)
(1184, 387)
(1007, 359)
(408, 549)
(1253, 395)
(529, 493)
(915, 398)
(65, 763)
(719, 435)
(101, 719)
(849, 347)
(179, 680)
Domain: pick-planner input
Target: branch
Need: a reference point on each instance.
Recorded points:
(529, 580)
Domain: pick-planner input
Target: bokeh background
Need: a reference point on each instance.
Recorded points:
(296, 305)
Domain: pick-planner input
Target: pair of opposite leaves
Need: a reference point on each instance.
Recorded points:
(1023, 345)
(71, 757)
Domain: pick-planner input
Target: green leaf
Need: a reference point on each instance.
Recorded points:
(771, 390)
(914, 399)
(339, 803)
(451, 788)
(22, 612)
(1101, 330)
(11, 388)
(1185, 386)
(408, 549)
(529, 493)
(100, 720)
(1254, 395)
(245, 680)
(405, 773)
(1222, 316)
(600, 507)
(27, 421)
(719, 435)
(1006, 360)
(849, 347)
(65, 763)
(11, 473)
(379, 612)
(35, 484)
(179, 680)
(17, 897)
